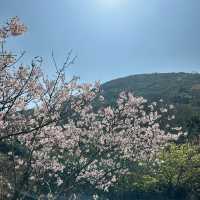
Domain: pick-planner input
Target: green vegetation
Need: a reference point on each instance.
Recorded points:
(175, 175)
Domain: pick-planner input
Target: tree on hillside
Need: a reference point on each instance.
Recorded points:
(57, 144)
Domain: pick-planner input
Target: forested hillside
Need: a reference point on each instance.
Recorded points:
(180, 89)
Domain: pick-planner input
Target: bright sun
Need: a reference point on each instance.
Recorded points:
(111, 3)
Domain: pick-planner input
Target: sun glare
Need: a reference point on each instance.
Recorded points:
(111, 3)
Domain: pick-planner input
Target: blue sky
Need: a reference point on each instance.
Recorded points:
(112, 38)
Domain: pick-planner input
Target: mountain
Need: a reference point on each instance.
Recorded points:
(180, 89)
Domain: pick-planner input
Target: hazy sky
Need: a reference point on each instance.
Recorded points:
(112, 38)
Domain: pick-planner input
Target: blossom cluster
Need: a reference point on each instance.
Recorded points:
(14, 27)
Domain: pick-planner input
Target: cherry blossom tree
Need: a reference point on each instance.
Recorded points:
(66, 143)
